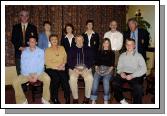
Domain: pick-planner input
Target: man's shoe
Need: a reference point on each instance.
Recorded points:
(93, 101)
(44, 101)
(56, 101)
(86, 100)
(105, 102)
(75, 101)
(67, 101)
(123, 101)
(25, 102)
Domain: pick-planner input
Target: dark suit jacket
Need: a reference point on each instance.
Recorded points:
(94, 41)
(143, 40)
(17, 36)
(66, 44)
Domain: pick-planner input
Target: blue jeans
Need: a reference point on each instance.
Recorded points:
(106, 86)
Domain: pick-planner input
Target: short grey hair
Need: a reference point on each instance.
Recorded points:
(133, 20)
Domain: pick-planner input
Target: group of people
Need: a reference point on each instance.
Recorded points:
(58, 62)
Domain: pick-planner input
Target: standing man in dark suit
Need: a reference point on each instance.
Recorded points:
(20, 34)
(141, 36)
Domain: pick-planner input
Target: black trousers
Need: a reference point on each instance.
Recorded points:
(18, 65)
(136, 84)
(57, 78)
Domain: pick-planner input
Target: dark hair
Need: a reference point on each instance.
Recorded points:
(130, 39)
(113, 21)
(90, 21)
(53, 35)
(132, 19)
(104, 40)
(68, 25)
(46, 22)
(34, 37)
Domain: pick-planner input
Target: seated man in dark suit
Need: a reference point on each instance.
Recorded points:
(20, 35)
(141, 36)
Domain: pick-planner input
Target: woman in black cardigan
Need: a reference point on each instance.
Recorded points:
(68, 39)
(91, 38)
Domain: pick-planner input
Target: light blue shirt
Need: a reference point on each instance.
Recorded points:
(134, 35)
(32, 61)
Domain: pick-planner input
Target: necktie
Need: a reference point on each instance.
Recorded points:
(24, 32)
(133, 35)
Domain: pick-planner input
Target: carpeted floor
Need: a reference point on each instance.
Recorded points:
(10, 97)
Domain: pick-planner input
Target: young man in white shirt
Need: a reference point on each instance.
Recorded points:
(116, 39)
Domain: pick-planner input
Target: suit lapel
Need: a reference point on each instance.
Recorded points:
(20, 30)
(92, 39)
(139, 34)
(28, 25)
(128, 34)
(68, 43)
(73, 40)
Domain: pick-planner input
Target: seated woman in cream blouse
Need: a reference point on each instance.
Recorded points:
(55, 60)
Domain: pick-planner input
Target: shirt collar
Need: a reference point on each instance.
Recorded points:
(67, 37)
(113, 32)
(133, 52)
(91, 33)
(24, 24)
(136, 31)
(34, 50)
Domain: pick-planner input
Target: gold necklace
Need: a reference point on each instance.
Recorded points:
(56, 51)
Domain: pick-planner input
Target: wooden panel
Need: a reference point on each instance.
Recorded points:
(59, 16)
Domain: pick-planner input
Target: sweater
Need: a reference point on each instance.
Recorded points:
(132, 63)
(82, 55)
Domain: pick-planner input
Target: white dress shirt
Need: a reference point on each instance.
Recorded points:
(22, 26)
(89, 37)
(49, 44)
(69, 39)
(116, 39)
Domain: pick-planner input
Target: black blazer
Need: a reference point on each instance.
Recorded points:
(66, 44)
(17, 36)
(94, 41)
(143, 40)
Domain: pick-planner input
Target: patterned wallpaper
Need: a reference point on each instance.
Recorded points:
(60, 15)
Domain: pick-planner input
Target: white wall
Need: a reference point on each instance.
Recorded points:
(148, 13)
